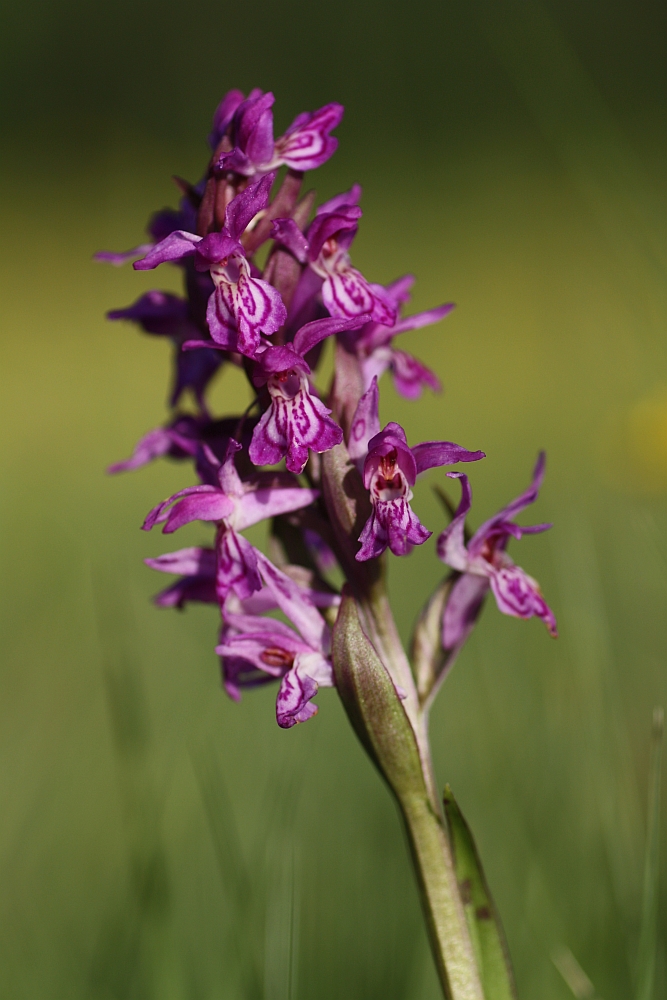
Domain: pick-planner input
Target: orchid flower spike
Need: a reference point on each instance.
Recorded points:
(233, 505)
(484, 563)
(241, 308)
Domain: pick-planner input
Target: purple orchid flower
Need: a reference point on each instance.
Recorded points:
(295, 420)
(484, 563)
(241, 307)
(165, 315)
(390, 470)
(233, 505)
(255, 649)
(373, 345)
(325, 247)
(305, 145)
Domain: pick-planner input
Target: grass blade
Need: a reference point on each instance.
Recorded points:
(648, 937)
(486, 930)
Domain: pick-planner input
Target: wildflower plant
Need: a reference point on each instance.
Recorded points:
(334, 485)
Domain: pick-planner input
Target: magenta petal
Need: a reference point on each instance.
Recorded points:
(294, 699)
(237, 566)
(351, 197)
(257, 505)
(422, 319)
(189, 588)
(391, 438)
(519, 595)
(515, 507)
(187, 562)
(307, 144)
(118, 259)
(224, 114)
(253, 123)
(204, 507)
(221, 322)
(462, 609)
(268, 443)
(313, 333)
(430, 454)
(287, 233)
(151, 446)
(393, 523)
(451, 543)
(365, 423)
(159, 514)
(214, 248)
(347, 294)
(410, 375)
(342, 224)
(244, 207)
(295, 604)
(174, 247)
(290, 427)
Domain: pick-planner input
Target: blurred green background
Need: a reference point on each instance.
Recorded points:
(158, 841)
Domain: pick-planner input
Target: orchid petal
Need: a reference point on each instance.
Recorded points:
(290, 427)
(174, 247)
(257, 505)
(431, 454)
(294, 603)
(365, 423)
(192, 561)
(410, 375)
(293, 703)
(313, 333)
(515, 507)
(392, 523)
(189, 588)
(236, 566)
(204, 507)
(422, 319)
(462, 609)
(287, 234)
(159, 514)
(451, 543)
(519, 595)
(151, 446)
(348, 294)
(118, 259)
(307, 144)
(244, 207)
(347, 198)
(224, 114)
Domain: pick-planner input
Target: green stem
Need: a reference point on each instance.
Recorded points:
(430, 847)
(443, 910)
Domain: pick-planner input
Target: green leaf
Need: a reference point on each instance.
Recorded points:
(484, 924)
(648, 937)
(373, 705)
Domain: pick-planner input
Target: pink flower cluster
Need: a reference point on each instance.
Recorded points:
(273, 321)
